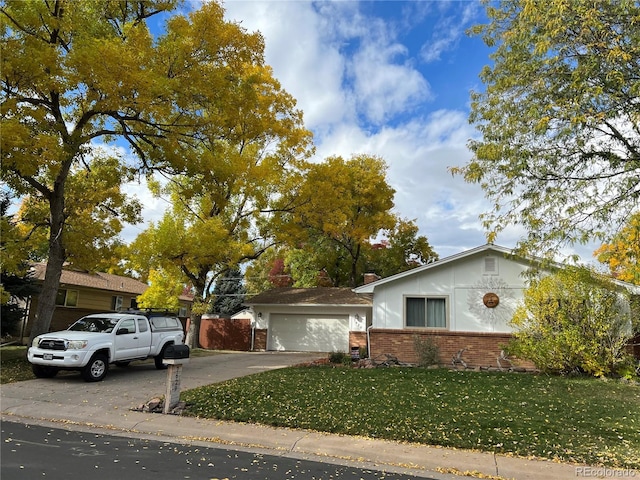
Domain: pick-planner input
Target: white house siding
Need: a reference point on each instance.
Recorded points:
(463, 283)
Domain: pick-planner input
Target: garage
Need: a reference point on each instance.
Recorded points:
(308, 332)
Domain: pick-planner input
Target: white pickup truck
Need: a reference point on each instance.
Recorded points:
(93, 342)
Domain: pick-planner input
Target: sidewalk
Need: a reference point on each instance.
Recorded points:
(43, 402)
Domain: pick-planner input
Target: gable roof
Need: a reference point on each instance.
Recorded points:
(96, 280)
(489, 247)
(310, 296)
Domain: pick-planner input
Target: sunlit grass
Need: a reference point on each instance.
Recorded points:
(570, 419)
(14, 366)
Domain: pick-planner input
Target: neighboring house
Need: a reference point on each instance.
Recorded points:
(463, 302)
(82, 292)
(310, 319)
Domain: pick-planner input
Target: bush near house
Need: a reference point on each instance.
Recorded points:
(574, 321)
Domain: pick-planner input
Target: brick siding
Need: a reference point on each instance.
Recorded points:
(358, 339)
(482, 349)
(260, 339)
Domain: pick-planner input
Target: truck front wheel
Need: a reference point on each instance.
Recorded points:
(96, 369)
(44, 371)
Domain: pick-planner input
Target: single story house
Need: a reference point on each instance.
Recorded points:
(82, 292)
(324, 319)
(463, 302)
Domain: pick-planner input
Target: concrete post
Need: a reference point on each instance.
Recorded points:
(174, 372)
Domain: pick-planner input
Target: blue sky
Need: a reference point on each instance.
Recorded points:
(388, 78)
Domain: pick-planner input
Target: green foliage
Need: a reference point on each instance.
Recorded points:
(573, 321)
(579, 420)
(339, 357)
(402, 249)
(559, 115)
(229, 293)
(427, 350)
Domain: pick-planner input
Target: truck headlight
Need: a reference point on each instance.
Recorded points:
(35, 343)
(77, 344)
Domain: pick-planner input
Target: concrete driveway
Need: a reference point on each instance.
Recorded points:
(126, 388)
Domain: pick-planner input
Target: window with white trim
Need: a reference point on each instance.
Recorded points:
(426, 312)
(67, 298)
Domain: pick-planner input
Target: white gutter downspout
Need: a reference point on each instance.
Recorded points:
(369, 340)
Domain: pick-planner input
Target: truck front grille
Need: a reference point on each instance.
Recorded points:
(48, 344)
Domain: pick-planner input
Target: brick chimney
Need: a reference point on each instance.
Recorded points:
(370, 278)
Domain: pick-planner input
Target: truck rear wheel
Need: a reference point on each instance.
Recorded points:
(44, 371)
(96, 369)
(158, 358)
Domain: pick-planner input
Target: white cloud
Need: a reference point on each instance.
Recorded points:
(350, 75)
(448, 32)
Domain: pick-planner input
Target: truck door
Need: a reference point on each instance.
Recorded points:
(126, 340)
(144, 337)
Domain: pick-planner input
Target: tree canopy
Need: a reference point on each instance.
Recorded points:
(559, 119)
(342, 205)
(75, 73)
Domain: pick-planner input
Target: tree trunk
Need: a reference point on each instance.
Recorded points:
(192, 339)
(55, 262)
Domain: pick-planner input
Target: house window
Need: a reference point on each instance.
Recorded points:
(426, 312)
(67, 298)
(116, 303)
(183, 311)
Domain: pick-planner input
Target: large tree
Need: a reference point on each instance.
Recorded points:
(559, 119)
(223, 210)
(77, 72)
(343, 204)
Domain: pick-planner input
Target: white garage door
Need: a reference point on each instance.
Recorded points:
(309, 333)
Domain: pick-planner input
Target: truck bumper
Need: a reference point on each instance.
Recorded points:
(58, 358)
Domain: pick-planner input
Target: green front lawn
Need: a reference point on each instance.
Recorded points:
(581, 420)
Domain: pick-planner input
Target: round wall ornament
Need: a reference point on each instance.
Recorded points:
(491, 300)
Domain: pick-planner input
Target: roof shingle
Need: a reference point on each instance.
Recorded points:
(310, 296)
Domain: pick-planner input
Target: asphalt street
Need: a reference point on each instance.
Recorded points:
(33, 451)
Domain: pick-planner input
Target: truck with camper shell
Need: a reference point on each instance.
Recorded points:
(93, 342)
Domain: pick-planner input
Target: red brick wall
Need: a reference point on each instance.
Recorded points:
(482, 349)
(260, 339)
(357, 339)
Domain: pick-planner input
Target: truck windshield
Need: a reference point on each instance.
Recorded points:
(94, 324)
